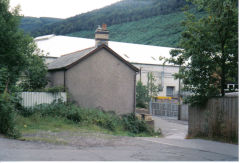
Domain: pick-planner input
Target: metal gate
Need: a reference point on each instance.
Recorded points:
(164, 109)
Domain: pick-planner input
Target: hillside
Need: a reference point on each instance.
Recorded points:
(118, 13)
(29, 24)
(150, 22)
(163, 30)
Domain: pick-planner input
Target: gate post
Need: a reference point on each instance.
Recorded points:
(150, 107)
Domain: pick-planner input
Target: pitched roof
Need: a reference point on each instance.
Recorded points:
(68, 60)
(133, 53)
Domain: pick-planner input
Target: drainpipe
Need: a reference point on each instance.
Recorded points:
(134, 105)
(179, 96)
(140, 74)
(64, 80)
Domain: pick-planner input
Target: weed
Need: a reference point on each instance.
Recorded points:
(88, 117)
(7, 116)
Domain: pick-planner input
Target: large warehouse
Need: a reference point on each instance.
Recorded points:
(144, 57)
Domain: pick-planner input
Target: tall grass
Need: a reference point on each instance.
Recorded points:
(107, 120)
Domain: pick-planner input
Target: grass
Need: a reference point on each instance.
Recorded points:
(36, 123)
(43, 129)
(41, 123)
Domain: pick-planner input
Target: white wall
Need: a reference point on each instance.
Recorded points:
(30, 99)
(158, 71)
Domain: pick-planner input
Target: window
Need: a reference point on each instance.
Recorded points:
(170, 91)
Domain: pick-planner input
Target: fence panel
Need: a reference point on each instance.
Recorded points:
(30, 99)
(219, 117)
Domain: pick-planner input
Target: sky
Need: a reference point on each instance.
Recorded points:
(58, 8)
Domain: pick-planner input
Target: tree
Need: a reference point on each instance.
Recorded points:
(17, 50)
(152, 88)
(35, 74)
(209, 49)
(142, 97)
(14, 47)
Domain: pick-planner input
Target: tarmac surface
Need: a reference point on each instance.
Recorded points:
(171, 128)
(171, 147)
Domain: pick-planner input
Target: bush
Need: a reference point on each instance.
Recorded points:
(134, 125)
(107, 120)
(75, 113)
(142, 97)
(7, 116)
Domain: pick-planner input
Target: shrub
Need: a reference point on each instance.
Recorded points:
(107, 120)
(7, 116)
(134, 125)
(142, 97)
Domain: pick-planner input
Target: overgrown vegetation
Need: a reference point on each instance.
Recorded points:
(145, 92)
(34, 75)
(209, 50)
(55, 89)
(17, 55)
(142, 97)
(8, 116)
(89, 117)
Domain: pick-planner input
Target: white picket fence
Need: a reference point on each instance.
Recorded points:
(30, 99)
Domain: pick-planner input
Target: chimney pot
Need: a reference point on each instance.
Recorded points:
(104, 26)
(101, 35)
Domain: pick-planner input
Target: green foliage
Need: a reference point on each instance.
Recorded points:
(142, 97)
(52, 89)
(162, 30)
(152, 88)
(118, 13)
(16, 49)
(7, 116)
(34, 74)
(55, 89)
(210, 49)
(145, 93)
(29, 24)
(134, 125)
(107, 120)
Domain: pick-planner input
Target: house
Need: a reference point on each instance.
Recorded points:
(144, 57)
(96, 77)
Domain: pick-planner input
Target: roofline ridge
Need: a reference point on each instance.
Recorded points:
(76, 51)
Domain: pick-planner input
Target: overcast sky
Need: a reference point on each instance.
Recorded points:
(58, 8)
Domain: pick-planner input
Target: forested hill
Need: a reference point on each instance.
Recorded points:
(150, 22)
(30, 24)
(118, 13)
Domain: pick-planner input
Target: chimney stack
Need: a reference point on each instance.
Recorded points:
(101, 35)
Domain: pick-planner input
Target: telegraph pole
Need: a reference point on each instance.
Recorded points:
(179, 95)
(179, 99)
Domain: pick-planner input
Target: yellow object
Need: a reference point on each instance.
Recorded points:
(139, 116)
(148, 118)
(25, 126)
(163, 98)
